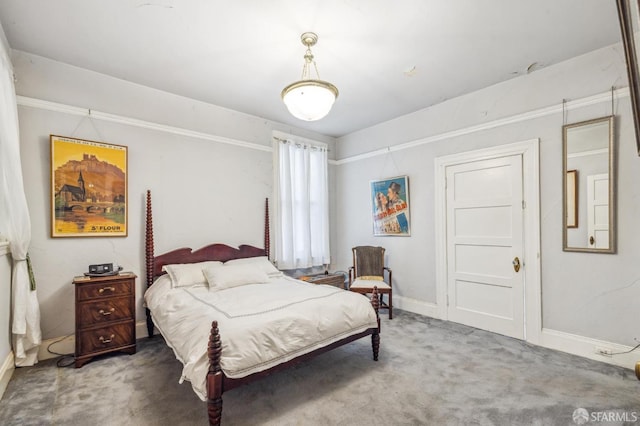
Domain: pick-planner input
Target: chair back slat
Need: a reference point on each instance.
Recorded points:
(368, 260)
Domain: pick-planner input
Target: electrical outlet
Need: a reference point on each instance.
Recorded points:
(604, 351)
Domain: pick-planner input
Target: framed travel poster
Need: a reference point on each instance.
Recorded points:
(88, 188)
(390, 206)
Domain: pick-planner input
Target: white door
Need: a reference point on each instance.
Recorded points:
(598, 211)
(484, 214)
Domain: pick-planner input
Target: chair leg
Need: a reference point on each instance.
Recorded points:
(390, 306)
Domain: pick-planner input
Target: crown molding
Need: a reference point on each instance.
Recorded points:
(517, 118)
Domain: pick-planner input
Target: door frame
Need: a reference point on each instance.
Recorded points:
(530, 152)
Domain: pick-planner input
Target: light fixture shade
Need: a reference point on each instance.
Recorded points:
(309, 100)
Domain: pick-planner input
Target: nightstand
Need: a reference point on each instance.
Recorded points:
(330, 279)
(105, 316)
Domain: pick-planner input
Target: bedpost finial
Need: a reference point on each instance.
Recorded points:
(375, 302)
(375, 299)
(214, 348)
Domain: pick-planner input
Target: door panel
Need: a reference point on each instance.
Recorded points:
(470, 184)
(484, 235)
(483, 260)
(484, 299)
(479, 221)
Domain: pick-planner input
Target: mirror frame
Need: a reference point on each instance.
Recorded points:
(629, 25)
(613, 229)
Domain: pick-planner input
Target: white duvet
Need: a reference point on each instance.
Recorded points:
(261, 325)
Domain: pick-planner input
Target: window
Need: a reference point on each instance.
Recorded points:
(302, 202)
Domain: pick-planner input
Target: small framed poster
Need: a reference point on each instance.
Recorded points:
(572, 199)
(390, 206)
(88, 188)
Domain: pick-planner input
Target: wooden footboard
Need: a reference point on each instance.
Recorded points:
(218, 383)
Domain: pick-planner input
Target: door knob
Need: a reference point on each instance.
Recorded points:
(592, 240)
(516, 264)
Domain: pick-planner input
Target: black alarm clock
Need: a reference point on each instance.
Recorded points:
(102, 270)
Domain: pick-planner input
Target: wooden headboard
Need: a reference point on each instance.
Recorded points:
(220, 252)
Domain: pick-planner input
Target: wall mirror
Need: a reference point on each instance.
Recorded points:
(629, 16)
(589, 196)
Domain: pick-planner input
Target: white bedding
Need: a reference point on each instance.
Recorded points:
(261, 325)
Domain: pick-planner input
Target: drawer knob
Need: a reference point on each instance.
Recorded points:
(109, 312)
(105, 341)
(103, 289)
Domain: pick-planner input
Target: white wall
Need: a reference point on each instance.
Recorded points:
(203, 191)
(221, 187)
(584, 296)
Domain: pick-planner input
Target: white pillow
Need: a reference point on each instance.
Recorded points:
(228, 276)
(260, 262)
(189, 274)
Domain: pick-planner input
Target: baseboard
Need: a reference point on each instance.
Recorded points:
(6, 371)
(141, 330)
(416, 306)
(586, 347)
(67, 345)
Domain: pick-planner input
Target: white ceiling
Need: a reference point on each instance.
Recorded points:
(387, 58)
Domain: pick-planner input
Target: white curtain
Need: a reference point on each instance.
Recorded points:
(302, 235)
(15, 224)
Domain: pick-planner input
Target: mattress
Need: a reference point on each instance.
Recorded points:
(261, 325)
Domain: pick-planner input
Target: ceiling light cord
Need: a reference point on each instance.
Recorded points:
(306, 71)
(306, 68)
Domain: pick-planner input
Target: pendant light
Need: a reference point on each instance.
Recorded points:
(309, 99)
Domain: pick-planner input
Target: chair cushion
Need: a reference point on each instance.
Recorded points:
(371, 278)
(362, 283)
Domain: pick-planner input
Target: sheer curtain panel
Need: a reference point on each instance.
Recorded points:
(15, 223)
(302, 194)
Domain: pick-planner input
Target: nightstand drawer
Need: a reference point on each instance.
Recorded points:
(336, 280)
(102, 311)
(106, 338)
(105, 289)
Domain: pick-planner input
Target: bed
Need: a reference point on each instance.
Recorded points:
(249, 320)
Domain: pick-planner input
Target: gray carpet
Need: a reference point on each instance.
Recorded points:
(430, 373)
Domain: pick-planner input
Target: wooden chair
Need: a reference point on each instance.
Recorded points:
(368, 271)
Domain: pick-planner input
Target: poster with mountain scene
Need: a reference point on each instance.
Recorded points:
(88, 188)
